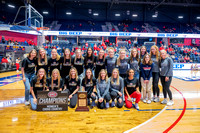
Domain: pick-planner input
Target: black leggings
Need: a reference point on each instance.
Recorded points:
(102, 104)
(156, 90)
(165, 86)
(140, 86)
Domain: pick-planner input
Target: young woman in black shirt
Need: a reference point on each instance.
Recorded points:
(131, 89)
(78, 63)
(54, 61)
(42, 61)
(38, 83)
(55, 82)
(28, 72)
(90, 60)
(66, 63)
(89, 85)
(72, 85)
(100, 63)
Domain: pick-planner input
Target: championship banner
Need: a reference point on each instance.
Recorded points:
(52, 101)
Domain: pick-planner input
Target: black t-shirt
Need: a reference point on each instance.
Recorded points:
(66, 66)
(71, 84)
(42, 65)
(89, 63)
(100, 64)
(29, 65)
(131, 85)
(55, 84)
(53, 63)
(89, 87)
(78, 64)
(37, 86)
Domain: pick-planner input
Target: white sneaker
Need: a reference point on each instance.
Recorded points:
(17, 71)
(144, 100)
(170, 103)
(137, 106)
(27, 103)
(149, 101)
(164, 101)
(153, 99)
(157, 99)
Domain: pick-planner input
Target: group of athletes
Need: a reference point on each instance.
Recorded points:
(111, 78)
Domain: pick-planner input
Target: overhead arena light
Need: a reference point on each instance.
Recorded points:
(198, 17)
(134, 15)
(180, 16)
(12, 6)
(117, 15)
(68, 13)
(96, 14)
(45, 12)
(154, 16)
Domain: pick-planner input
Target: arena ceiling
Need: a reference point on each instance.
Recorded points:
(167, 10)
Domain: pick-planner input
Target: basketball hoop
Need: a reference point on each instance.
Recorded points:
(42, 28)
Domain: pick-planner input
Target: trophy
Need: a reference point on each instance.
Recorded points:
(82, 101)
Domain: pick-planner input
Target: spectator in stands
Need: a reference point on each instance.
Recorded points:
(187, 59)
(3, 40)
(161, 47)
(4, 62)
(9, 62)
(30, 42)
(181, 59)
(16, 43)
(12, 43)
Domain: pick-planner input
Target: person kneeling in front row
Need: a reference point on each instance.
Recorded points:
(103, 85)
(131, 88)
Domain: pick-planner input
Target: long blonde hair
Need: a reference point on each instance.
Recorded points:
(44, 78)
(137, 56)
(118, 59)
(157, 52)
(76, 55)
(55, 70)
(99, 77)
(65, 55)
(103, 55)
(57, 56)
(70, 76)
(39, 57)
(115, 69)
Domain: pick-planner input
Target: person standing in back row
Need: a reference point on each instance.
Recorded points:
(66, 63)
(122, 63)
(154, 53)
(110, 61)
(28, 72)
(100, 63)
(166, 73)
(54, 61)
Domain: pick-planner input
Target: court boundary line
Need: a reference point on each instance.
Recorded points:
(146, 121)
(181, 115)
(173, 125)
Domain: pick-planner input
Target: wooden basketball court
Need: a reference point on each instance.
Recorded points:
(183, 116)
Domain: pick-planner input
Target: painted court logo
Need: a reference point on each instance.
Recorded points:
(52, 94)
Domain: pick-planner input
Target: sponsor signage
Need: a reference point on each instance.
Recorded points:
(128, 34)
(183, 66)
(52, 100)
